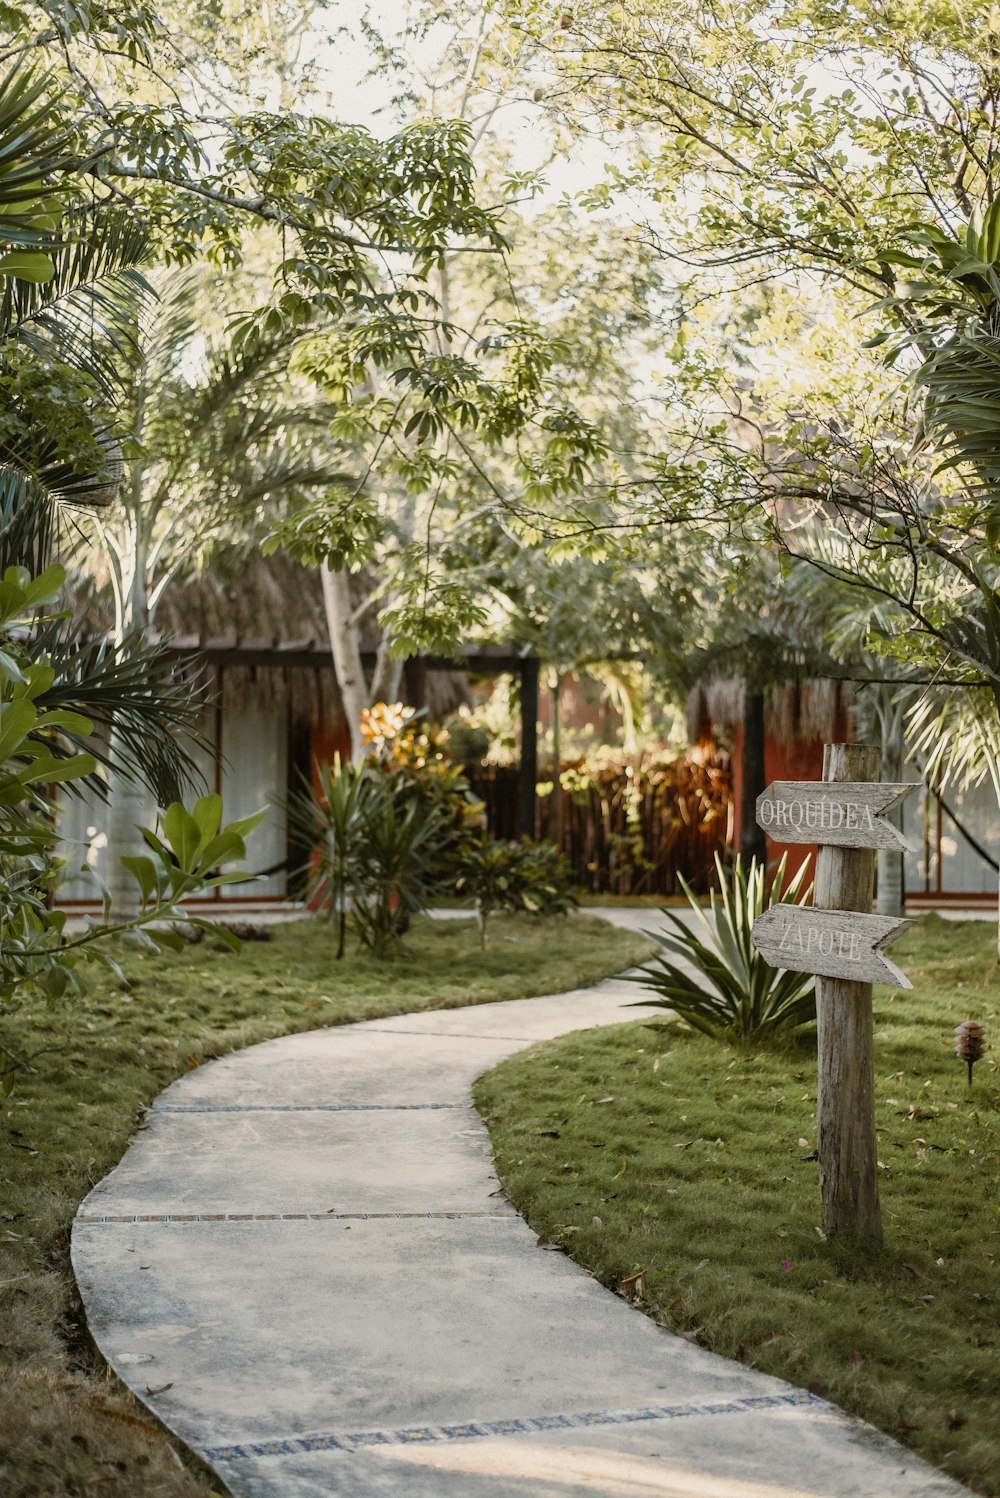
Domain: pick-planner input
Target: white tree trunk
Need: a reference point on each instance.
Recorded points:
(388, 674)
(129, 803)
(345, 644)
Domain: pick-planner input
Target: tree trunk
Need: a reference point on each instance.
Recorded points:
(129, 804)
(753, 843)
(556, 823)
(528, 773)
(388, 675)
(345, 645)
(845, 1097)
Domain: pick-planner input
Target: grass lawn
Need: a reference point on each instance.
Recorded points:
(672, 1167)
(66, 1426)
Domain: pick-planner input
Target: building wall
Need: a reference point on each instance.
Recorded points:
(944, 866)
(247, 762)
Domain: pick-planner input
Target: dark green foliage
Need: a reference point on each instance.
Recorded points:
(388, 834)
(733, 994)
(329, 818)
(399, 837)
(380, 840)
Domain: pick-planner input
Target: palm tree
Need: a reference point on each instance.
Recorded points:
(218, 433)
(952, 312)
(68, 301)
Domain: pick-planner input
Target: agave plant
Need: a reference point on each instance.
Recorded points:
(722, 986)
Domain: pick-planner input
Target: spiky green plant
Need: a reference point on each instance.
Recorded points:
(722, 986)
(330, 819)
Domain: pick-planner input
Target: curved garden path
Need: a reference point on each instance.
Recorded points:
(304, 1266)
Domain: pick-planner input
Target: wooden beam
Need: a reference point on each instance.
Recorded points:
(528, 776)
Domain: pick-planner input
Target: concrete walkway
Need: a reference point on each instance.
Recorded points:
(304, 1266)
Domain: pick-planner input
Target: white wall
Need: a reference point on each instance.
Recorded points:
(254, 774)
(962, 870)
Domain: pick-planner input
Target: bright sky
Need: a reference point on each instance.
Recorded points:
(364, 100)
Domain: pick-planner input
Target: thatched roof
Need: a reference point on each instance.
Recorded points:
(798, 710)
(261, 624)
(248, 618)
(261, 598)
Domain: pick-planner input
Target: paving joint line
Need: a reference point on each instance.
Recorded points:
(307, 1107)
(163, 1218)
(456, 1034)
(523, 1425)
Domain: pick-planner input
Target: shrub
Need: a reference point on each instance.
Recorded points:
(39, 958)
(330, 820)
(416, 763)
(514, 876)
(382, 838)
(733, 994)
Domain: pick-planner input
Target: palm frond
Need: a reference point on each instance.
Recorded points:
(34, 147)
(86, 315)
(956, 737)
(25, 521)
(137, 690)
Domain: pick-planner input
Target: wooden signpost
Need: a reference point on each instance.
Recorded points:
(840, 941)
(831, 943)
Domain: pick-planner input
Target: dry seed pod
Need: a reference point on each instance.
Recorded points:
(970, 1043)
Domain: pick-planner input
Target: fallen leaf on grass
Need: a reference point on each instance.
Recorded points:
(605, 1099)
(856, 1358)
(955, 1420)
(544, 1243)
(110, 1412)
(688, 1143)
(918, 1274)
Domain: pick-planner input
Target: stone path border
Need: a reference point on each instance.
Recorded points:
(305, 1267)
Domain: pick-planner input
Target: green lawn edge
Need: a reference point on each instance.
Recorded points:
(65, 1423)
(646, 1149)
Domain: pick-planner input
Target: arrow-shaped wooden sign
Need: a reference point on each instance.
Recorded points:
(839, 814)
(830, 943)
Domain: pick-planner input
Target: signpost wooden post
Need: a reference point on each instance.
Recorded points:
(841, 941)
